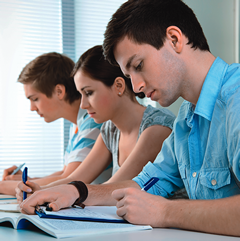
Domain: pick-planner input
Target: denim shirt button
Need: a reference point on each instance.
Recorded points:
(214, 182)
(194, 174)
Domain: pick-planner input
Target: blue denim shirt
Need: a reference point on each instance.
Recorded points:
(203, 151)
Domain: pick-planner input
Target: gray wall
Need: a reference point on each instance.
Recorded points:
(219, 20)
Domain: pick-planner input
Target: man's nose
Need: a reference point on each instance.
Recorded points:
(33, 106)
(138, 83)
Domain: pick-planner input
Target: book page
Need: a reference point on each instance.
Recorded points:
(103, 212)
(12, 207)
(9, 217)
(67, 228)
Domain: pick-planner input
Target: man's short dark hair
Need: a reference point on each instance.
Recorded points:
(146, 21)
(48, 70)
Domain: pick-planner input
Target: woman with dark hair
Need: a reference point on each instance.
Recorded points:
(131, 134)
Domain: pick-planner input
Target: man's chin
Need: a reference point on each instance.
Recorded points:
(164, 103)
(47, 120)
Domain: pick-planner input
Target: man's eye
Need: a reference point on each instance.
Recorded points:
(139, 67)
(35, 99)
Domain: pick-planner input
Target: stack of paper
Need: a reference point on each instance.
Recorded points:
(8, 203)
(5, 199)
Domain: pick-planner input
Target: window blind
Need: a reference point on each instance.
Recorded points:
(91, 18)
(28, 29)
(68, 36)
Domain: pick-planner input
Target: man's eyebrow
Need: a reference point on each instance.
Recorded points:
(30, 96)
(128, 65)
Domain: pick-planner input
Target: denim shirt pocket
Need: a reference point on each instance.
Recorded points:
(215, 178)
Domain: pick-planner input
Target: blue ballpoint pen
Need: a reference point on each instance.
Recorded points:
(149, 183)
(17, 169)
(24, 179)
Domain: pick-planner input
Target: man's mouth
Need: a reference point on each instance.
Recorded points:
(91, 113)
(149, 94)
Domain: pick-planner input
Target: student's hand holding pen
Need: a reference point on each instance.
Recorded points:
(137, 206)
(140, 207)
(29, 188)
(58, 197)
(7, 174)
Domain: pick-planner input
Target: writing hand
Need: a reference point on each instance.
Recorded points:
(7, 174)
(139, 207)
(29, 187)
(58, 197)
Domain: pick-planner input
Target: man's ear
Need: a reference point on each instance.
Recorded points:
(60, 91)
(119, 85)
(175, 37)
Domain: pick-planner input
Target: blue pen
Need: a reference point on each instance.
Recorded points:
(149, 183)
(17, 169)
(24, 179)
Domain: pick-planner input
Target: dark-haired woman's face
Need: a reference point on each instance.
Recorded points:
(98, 99)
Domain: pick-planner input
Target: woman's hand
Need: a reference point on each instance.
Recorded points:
(29, 188)
(7, 174)
(58, 197)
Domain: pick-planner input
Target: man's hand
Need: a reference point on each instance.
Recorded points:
(58, 197)
(219, 216)
(29, 188)
(140, 207)
(7, 174)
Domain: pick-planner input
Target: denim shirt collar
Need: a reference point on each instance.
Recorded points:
(211, 88)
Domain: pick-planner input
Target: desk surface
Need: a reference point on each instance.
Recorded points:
(157, 234)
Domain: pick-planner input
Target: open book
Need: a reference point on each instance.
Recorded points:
(60, 228)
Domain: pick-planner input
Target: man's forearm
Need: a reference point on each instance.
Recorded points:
(220, 216)
(102, 194)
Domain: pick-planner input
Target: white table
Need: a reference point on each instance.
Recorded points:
(157, 234)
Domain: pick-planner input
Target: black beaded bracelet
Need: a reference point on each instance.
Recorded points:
(83, 193)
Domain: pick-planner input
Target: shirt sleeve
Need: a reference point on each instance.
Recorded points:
(81, 143)
(165, 167)
(158, 116)
(109, 134)
(233, 133)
